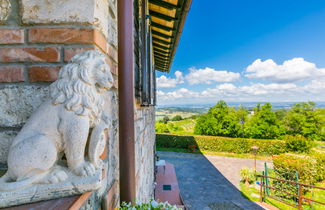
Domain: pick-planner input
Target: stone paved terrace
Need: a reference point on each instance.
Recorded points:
(210, 182)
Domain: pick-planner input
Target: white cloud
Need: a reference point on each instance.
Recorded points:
(165, 82)
(255, 92)
(226, 87)
(209, 75)
(181, 93)
(290, 71)
(264, 89)
(294, 80)
(316, 86)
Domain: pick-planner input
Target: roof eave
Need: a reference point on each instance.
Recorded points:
(184, 9)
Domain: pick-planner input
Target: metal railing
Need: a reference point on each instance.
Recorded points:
(300, 196)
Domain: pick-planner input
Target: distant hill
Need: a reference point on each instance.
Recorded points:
(200, 107)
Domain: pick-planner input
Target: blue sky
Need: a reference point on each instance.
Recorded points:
(253, 50)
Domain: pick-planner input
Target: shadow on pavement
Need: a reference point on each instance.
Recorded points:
(203, 186)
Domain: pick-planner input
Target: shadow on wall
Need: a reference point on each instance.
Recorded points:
(202, 185)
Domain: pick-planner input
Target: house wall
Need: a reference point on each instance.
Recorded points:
(145, 151)
(38, 37)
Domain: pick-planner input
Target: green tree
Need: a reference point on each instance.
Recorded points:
(242, 117)
(302, 119)
(165, 119)
(281, 114)
(219, 121)
(177, 118)
(264, 123)
(195, 116)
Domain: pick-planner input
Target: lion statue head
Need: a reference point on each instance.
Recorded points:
(80, 84)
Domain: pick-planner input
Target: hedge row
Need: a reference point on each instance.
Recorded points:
(286, 166)
(310, 168)
(221, 144)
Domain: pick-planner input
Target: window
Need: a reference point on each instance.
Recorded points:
(145, 78)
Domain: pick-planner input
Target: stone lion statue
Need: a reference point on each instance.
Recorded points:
(61, 125)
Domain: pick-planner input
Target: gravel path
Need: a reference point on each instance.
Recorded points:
(210, 182)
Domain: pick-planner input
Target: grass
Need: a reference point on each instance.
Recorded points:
(163, 113)
(225, 154)
(181, 127)
(318, 195)
(249, 191)
(187, 125)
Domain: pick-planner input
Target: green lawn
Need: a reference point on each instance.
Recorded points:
(318, 195)
(187, 125)
(163, 113)
(182, 127)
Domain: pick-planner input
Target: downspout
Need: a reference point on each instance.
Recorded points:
(126, 100)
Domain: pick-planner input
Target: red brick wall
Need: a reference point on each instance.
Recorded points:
(35, 54)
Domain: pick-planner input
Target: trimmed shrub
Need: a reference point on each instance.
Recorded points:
(221, 144)
(298, 144)
(310, 169)
(306, 166)
(247, 175)
(320, 165)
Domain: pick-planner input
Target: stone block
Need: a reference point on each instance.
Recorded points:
(112, 52)
(5, 142)
(75, 185)
(17, 102)
(5, 9)
(87, 12)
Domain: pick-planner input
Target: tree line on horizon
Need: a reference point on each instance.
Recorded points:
(263, 122)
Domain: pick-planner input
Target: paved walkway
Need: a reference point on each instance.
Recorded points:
(210, 182)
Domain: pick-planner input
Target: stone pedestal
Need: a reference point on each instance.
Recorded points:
(74, 185)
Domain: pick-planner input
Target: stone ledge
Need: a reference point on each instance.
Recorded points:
(71, 203)
(73, 186)
(85, 12)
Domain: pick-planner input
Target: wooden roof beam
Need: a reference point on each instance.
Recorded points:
(164, 4)
(162, 35)
(161, 64)
(161, 51)
(161, 54)
(161, 41)
(166, 28)
(161, 59)
(162, 16)
(161, 46)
